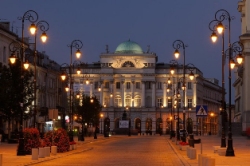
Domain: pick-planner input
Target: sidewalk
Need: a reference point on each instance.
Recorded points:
(9, 157)
(241, 148)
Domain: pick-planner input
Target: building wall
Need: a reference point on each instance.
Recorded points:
(243, 79)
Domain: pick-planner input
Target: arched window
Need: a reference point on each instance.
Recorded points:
(118, 101)
(128, 101)
(137, 101)
(128, 64)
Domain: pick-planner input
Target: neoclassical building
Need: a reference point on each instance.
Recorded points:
(132, 81)
(241, 84)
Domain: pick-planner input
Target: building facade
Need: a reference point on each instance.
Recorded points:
(48, 85)
(241, 84)
(135, 85)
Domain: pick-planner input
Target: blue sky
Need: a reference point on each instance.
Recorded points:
(157, 23)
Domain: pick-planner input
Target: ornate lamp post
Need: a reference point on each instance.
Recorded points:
(220, 16)
(101, 115)
(213, 27)
(32, 17)
(211, 115)
(129, 123)
(177, 44)
(13, 47)
(177, 95)
(43, 26)
(173, 64)
(78, 45)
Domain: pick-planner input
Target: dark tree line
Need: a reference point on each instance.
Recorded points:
(87, 109)
(16, 92)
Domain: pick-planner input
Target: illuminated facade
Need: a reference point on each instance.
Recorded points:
(132, 81)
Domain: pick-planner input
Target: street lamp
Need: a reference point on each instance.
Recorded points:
(173, 65)
(43, 26)
(177, 44)
(13, 47)
(129, 124)
(177, 95)
(78, 45)
(101, 122)
(213, 27)
(32, 17)
(211, 115)
(220, 16)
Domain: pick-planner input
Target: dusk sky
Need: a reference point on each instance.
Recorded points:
(157, 23)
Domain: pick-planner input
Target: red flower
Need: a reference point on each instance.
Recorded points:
(183, 143)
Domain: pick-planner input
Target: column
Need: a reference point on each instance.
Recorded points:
(153, 93)
(123, 89)
(101, 93)
(91, 89)
(143, 93)
(164, 95)
(111, 101)
(133, 96)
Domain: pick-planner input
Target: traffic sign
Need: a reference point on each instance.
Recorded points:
(201, 110)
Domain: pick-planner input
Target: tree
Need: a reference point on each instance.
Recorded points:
(16, 87)
(88, 110)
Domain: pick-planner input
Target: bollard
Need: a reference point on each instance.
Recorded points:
(188, 152)
(211, 162)
(41, 152)
(47, 151)
(222, 151)
(1, 159)
(200, 156)
(53, 150)
(192, 153)
(34, 153)
(205, 160)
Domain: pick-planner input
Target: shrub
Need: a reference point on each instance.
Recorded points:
(31, 139)
(57, 138)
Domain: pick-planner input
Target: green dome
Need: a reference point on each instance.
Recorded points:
(128, 47)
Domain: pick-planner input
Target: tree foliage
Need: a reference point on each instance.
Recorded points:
(16, 87)
(87, 111)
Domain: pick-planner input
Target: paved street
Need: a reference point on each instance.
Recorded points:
(135, 150)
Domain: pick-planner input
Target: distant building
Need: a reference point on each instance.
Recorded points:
(135, 83)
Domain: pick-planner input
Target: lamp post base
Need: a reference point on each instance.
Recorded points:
(20, 149)
(230, 150)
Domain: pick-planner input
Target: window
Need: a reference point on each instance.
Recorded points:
(118, 102)
(118, 85)
(148, 85)
(128, 64)
(159, 102)
(179, 85)
(137, 85)
(189, 103)
(128, 102)
(128, 85)
(179, 103)
(96, 85)
(170, 103)
(189, 85)
(159, 85)
(106, 85)
(137, 101)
